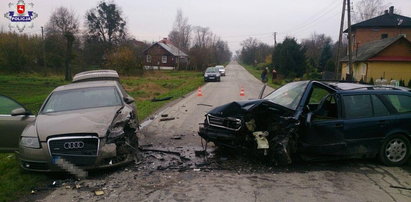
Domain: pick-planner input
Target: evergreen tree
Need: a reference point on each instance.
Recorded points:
(289, 57)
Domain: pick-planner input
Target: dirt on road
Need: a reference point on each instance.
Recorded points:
(176, 168)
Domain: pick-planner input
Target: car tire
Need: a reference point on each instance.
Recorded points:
(395, 150)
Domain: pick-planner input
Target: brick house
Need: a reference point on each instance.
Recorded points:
(164, 55)
(381, 48)
(388, 25)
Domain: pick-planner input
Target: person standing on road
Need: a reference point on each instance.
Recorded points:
(264, 75)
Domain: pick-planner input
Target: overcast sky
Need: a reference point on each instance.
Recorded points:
(232, 20)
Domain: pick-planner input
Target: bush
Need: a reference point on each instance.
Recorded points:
(371, 81)
(409, 83)
(261, 66)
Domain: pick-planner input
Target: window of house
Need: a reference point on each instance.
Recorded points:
(383, 36)
(357, 106)
(148, 59)
(164, 59)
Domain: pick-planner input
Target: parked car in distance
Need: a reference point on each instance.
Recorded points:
(212, 74)
(221, 69)
(90, 123)
(318, 120)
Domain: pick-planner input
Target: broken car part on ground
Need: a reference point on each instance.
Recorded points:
(317, 120)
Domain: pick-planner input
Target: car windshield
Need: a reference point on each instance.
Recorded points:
(288, 95)
(81, 99)
(211, 70)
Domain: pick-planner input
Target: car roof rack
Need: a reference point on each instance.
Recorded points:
(96, 75)
(375, 88)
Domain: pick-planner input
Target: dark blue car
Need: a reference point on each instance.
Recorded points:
(318, 120)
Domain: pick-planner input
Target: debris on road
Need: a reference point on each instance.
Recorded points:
(99, 192)
(400, 187)
(207, 105)
(161, 99)
(167, 119)
(164, 115)
(177, 137)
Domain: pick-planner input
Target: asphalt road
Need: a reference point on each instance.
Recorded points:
(229, 176)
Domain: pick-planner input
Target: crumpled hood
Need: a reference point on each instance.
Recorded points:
(95, 120)
(241, 107)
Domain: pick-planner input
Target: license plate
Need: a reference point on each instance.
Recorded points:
(211, 77)
(54, 159)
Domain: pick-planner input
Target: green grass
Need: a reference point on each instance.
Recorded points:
(257, 74)
(31, 91)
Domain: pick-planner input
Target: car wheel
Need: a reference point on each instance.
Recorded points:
(395, 150)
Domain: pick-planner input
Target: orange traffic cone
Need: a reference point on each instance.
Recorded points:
(199, 93)
(242, 92)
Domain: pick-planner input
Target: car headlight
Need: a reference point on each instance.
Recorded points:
(30, 142)
(205, 75)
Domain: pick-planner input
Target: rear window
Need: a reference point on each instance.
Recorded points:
(402, 103)
(379, 108)
(357, 106)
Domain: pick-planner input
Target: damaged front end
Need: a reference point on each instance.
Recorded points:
(121, 138)
(259, 125)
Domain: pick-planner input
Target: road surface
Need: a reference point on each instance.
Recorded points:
(229, 176)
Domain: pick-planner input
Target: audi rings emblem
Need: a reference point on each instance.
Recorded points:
(73, 145)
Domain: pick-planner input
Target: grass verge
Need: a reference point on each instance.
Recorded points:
(31, 91)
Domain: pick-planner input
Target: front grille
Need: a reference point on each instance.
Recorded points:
(227, 123)
(81, 150)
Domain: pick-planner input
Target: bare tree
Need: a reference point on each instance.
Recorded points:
(181, 33)
(367, 9)
(64, 23)
(314, 46)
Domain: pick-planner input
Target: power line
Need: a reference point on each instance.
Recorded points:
(315, 16)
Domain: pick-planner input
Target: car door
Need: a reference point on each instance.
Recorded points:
(11, 127)
(324, 134)
(366, 121)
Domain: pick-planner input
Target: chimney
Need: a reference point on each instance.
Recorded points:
(391, 10)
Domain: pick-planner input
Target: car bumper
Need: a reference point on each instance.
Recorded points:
(41, 160)
(212, 78)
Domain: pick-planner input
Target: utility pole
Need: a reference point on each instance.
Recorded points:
(337, 62)
(275, 39)
(44, 49)
(350, 67)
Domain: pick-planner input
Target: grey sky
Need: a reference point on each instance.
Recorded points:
(232, 20)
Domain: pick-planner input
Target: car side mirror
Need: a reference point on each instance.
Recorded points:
(128, 100)
(20, 111)
(309, 119)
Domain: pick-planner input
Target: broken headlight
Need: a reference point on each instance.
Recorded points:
(30, 142)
